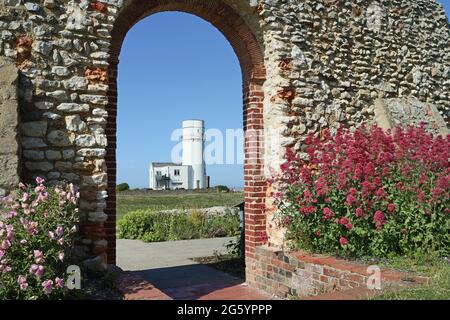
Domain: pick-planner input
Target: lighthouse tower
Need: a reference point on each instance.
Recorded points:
(193, 146)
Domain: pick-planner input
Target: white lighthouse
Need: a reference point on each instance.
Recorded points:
(193, 147)
(191, 173)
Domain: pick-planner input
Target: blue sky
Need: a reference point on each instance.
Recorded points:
(175, 66)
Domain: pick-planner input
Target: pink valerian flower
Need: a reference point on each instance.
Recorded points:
(2, 254)
(37, 270)
(51, 235)
(391, 208)
(318, 233)
(59, 283)
(381, 193)
(38, 256)
(437, 192)
(379, 219)
(359, 212)
(308, 210)
(61, 256)
(47, 286)
(350, 200)
(343, 241)
(61, 241)
(344, 220)
(327, 213)
(22, 281)
(421, 197)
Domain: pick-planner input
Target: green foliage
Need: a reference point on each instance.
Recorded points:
(37, 233)
(368, 193)
(123, 187)
(425, 264)
(221, 188)
(155, 226)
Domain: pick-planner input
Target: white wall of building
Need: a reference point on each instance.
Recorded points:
(178, 177)
(191, 173)
(193, 148)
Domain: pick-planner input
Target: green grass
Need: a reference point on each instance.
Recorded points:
(126, 203)
(435, 268)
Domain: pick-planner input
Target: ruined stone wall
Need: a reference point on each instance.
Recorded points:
(327, 62)
(9, 121)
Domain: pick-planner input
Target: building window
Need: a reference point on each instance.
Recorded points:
(158, 173)
(176, 172)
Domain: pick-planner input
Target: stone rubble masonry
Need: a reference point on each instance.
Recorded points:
(9, 121)
(390, 113)
(300, 274)
(307, 65)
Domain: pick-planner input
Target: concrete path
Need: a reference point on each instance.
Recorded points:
(135, 255)
(165, 270)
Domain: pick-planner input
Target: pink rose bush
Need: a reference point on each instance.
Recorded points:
(367, 193)
(37, 232)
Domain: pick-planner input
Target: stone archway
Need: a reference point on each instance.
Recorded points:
(249, 53)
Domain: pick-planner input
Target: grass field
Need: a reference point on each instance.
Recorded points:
(127, 203)
(435, 268)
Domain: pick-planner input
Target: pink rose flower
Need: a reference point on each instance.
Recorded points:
(39, 256)
(39, 180)
(59, 231)
(59, 282)
(22, 281)
(47, 286)
(37, 270)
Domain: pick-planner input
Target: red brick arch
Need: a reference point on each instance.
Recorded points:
(249, 53)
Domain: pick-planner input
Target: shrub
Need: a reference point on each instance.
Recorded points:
(154, 226)
(37, 230)
(222, 188)
(368, 192)
(123, 187)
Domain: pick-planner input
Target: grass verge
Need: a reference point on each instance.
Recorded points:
(128, 203)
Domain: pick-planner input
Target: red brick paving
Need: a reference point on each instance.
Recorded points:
(136, 288)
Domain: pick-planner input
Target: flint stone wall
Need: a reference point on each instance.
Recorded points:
(9, 121)
(327, 63)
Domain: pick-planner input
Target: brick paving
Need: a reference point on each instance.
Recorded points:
(134, 287)
(165, 271)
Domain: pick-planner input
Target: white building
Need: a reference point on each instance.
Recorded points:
(191, 173)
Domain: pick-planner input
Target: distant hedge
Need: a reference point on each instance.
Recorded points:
(156, 226)
(222, 188)
(123, 187)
